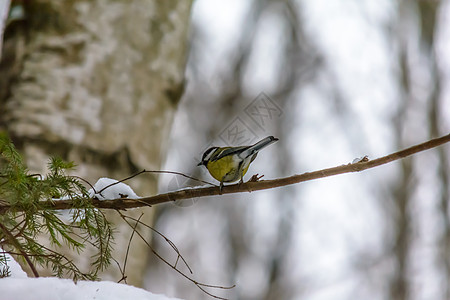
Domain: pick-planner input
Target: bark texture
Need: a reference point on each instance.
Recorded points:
(96, 82)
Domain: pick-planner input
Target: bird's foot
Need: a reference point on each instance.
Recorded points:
(255, 178)
(221, 188)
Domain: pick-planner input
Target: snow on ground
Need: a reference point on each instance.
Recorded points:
(19, 287)
(51, 288)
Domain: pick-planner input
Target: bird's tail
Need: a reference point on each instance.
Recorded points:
(258, 146)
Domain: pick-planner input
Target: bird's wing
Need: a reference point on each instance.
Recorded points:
(228, 151)
(250, 150)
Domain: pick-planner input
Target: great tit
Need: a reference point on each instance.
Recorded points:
(229, 164)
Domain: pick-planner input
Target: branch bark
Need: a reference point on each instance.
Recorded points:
(250, 186)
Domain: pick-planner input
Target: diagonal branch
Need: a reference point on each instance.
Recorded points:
(13, 241)
(250, 186)
(200, 285)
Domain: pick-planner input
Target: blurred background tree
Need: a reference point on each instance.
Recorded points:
(334, 80)
(347, 78)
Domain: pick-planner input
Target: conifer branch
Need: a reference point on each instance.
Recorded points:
(13, 241)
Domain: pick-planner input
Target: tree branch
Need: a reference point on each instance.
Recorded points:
(250, 186)
(16, 244)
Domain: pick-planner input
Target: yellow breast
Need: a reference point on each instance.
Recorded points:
(226, 169)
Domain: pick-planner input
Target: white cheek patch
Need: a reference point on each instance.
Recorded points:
(208, 154)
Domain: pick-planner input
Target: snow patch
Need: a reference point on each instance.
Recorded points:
(116, 191)
(18, 287)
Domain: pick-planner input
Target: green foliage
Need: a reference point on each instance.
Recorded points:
(4, 268)
(25, 215)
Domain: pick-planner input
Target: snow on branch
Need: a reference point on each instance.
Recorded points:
(253, 184)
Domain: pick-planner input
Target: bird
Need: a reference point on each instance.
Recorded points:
(229, 164)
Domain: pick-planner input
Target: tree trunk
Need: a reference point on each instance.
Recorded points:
(96, 82)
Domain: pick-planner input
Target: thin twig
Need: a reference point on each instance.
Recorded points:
(87, 240)
(129, 243)
(21, 229)
(19, 223)
(20, 254)
(121, 204)
(182, 174)
(158, 172)
(69, 265)
(198, 284)
(174, 247)
(119, 181)
(85, 181)
(17, 245)
(124, 277)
